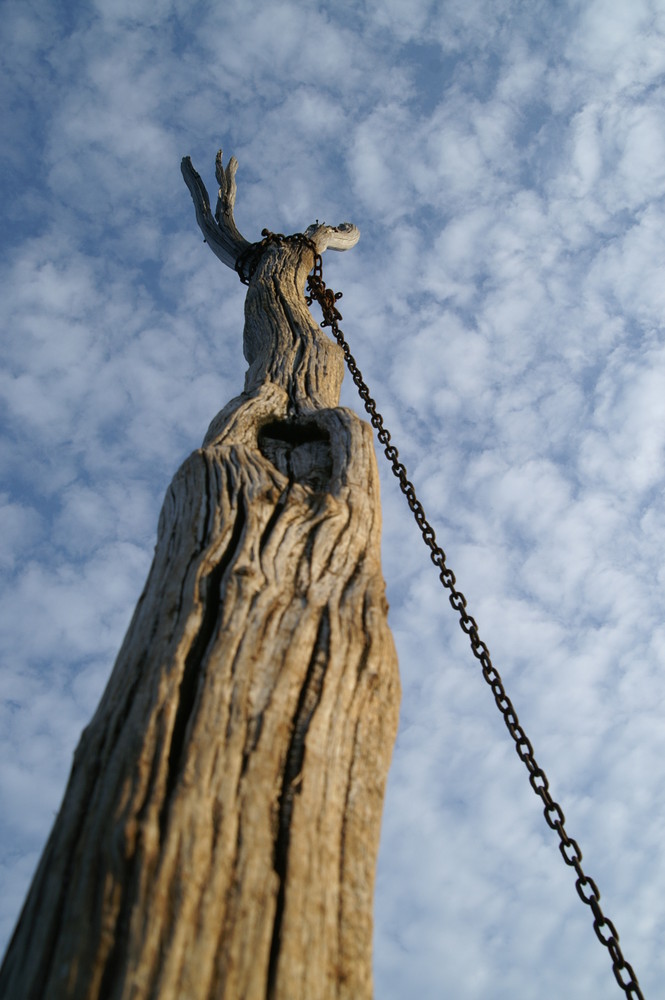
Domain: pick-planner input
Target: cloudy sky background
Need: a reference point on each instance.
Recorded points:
(505, 162)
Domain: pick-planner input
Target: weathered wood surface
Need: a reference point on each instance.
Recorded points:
(219, 832)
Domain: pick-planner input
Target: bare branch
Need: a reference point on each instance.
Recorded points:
(341, 237)
(219, 232)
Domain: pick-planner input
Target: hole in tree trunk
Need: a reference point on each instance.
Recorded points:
(300, 451)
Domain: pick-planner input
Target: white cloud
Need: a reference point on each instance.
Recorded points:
(505, 303)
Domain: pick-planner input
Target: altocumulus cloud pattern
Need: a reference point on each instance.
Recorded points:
(506, 166)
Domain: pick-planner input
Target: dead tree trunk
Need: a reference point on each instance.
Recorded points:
(219, 832)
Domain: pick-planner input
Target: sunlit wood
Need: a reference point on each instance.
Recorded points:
(219, 832)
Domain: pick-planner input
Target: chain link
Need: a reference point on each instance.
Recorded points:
(570, 851)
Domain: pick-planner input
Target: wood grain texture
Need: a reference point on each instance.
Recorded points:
(219, 832)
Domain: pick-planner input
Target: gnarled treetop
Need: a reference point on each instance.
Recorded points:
(220, 231)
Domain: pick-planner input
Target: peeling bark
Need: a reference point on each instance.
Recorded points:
(219, 832)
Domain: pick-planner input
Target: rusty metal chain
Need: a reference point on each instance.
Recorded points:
(248, 261)
(587, 889)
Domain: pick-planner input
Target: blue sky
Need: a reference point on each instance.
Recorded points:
(505, 163)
